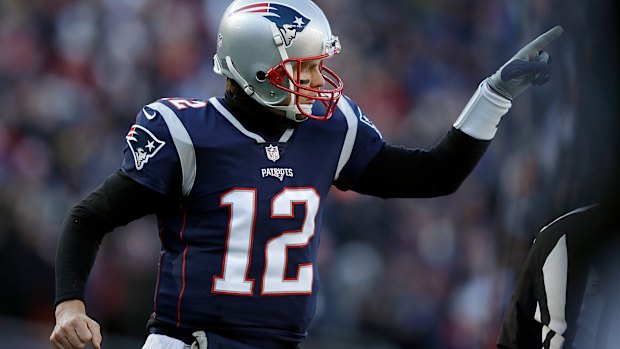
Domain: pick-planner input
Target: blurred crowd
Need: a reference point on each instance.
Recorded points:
(421, 273)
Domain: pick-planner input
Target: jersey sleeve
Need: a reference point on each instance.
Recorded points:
(364, 144)
(150, 155)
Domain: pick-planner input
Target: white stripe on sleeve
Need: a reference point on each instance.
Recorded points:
(349, 139)
(182, 142)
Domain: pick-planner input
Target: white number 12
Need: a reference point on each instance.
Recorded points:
(239, 241)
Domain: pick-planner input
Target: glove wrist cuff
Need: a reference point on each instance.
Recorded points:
(483, 112)
(498, 90)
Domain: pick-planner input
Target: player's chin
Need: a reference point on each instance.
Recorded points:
(306, 100)
(306, 107)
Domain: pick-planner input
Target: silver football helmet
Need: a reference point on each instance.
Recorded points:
(260, 43)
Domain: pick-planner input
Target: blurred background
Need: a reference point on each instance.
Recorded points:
(416, 273)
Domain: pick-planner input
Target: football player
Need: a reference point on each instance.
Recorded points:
(238, 182)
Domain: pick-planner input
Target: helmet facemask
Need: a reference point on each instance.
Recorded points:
(283, 72)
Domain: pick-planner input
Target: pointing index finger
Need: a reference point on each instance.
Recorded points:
(545, 39)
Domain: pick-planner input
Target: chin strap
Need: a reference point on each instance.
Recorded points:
(292, 112)
(240, 80)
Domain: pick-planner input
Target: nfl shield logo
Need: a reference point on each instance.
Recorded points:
(273, 153)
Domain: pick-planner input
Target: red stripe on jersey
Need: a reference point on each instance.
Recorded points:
(182, 287)
(182, 271)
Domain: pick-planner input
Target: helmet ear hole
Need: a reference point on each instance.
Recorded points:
(261, 76)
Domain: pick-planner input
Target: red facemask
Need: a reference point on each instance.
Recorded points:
(329, 97)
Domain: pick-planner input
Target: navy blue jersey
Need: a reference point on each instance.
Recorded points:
(240, 251)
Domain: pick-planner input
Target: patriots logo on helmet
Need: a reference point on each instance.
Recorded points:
(143, 144)
(288, 20)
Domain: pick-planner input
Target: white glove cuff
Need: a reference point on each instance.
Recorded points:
(482, 113)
